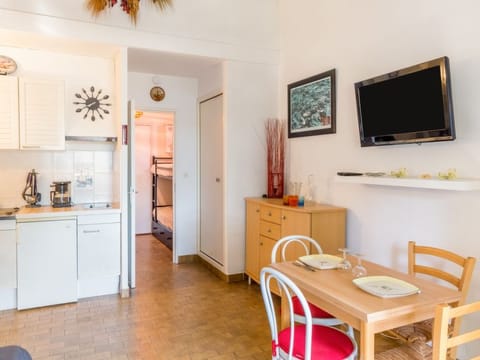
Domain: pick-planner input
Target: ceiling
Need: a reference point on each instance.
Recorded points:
(156, 62)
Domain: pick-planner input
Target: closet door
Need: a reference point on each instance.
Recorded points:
(211, 178)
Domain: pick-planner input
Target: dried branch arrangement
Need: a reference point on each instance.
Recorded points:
(275, 133)
(131, 7)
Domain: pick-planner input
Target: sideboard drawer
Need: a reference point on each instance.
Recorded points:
(271, 214)
(270, 230)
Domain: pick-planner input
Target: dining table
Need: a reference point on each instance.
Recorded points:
(334, 291)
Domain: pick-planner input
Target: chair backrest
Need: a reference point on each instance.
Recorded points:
(442, 340)
(269, 276)
(461, 281)
(302, 242)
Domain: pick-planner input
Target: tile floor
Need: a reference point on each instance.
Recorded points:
(180, 312)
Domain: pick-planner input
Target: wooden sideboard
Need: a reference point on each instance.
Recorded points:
(268, 220)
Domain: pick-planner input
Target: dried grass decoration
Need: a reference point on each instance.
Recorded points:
(275, 133)
(131, 7)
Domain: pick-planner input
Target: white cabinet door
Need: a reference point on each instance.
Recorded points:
(42, 114)
(47, 263)
(211, 178)
(98, 255)
(8, 112)
(8, 254)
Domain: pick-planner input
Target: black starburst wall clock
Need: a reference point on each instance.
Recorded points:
(94, 104)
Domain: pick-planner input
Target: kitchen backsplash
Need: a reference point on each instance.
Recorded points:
(91, 174)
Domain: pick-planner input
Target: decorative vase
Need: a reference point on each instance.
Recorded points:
(275, 133)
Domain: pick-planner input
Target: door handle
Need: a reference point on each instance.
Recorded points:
(217, 180)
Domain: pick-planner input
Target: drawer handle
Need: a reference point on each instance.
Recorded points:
(284, 217)
(257, 210)
(269, 230)
(90, 231)
(269, 213)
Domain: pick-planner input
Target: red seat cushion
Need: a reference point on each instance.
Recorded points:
(327, 342)
(315, 310)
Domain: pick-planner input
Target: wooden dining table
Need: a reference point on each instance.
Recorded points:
(334, 291)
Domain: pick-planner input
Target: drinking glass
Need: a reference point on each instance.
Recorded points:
(359, 270)
(344, 264)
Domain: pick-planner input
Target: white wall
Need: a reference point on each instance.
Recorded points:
(245, 30)
(180, 98)
(368, 38)
(250, 97)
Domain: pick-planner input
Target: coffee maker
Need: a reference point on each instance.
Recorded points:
(60, 194)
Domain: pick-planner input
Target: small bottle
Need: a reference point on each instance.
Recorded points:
(301, 201)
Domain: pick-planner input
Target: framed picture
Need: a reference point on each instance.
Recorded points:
(311, 105)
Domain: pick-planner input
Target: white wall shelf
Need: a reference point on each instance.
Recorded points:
(438, 184)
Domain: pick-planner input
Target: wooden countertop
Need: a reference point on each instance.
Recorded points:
(81, 209)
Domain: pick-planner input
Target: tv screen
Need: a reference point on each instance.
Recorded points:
(411, 105)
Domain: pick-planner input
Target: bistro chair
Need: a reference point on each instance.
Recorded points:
(444, 344)
(303, 245)
(301, 341)
(420, 259)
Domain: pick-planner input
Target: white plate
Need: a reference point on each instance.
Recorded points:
(385, 286)
(321, 261)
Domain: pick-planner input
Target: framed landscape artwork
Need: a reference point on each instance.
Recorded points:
(311, 105)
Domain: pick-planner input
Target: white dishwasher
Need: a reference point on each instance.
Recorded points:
(46, 261)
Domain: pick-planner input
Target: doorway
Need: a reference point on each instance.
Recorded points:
(154, 212)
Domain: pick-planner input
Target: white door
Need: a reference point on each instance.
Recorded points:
(131, 193)
(143, 179)
(211, 178)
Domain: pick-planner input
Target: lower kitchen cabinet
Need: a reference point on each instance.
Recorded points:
(47, 261)
(8, 264)
(98, 254)
(268, 220)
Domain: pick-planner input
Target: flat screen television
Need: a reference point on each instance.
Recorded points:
(411, 105)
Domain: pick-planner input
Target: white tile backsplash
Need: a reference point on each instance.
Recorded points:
(103, 161)
(91, 174)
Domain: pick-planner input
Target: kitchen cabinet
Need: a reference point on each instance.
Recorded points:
(47, 261)
(98, 254)
(8, 264)
(41, 114)
(268, 220)
(9, 112)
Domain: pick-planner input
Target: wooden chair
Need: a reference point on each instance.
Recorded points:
(444, 344)
(443, 341)
(303, 245)
(301, 341)
(417, 264)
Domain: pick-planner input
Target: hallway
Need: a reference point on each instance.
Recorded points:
(180, 312)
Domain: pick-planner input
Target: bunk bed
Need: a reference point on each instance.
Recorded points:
(162, 202)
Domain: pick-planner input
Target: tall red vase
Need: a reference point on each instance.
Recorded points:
(275, 185)
(275, 132)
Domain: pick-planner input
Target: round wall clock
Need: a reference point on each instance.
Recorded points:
(157, 93)
(7, 65)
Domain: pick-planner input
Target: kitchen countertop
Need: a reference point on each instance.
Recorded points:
(80, 209)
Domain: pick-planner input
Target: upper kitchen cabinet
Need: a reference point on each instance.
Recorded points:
(8, 112)
(42, 114)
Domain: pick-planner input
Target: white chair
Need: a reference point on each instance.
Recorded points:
(301, 341)
(319, 316)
